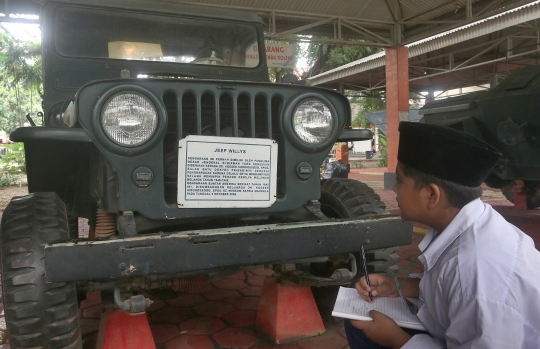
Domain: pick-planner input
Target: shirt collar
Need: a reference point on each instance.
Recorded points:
(461, 222)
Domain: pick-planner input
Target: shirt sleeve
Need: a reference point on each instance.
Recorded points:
(424, 341)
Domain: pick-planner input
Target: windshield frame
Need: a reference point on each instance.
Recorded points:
(230, 50)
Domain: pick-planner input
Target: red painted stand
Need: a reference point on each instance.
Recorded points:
(520, 197)
(342, 153)
(119, 330)
(288, 312)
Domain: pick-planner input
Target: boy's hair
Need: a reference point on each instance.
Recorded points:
(458, 195)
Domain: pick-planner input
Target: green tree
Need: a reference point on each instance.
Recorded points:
(13, 161)
(371, 101)
(324, 57)
(20, 69)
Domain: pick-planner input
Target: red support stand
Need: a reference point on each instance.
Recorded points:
(342, 153)
(119, 330)
(520, 197)
(288, 312)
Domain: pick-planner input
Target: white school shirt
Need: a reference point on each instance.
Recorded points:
(481, 284)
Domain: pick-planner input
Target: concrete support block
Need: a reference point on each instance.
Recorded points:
(288, 312)
(119, 330)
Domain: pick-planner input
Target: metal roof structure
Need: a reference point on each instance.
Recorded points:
(467, 56)
(476, 54)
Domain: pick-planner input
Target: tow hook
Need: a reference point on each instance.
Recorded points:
(134, 305)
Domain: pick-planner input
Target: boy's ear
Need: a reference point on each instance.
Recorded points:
(434, 194)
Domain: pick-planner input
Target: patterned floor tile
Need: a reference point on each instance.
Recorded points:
(186, 300)
(251, 291)
(164, 332)
(212, 308)
(190, 342)
(325, 341)
(202, 325)
(217, 295)
(240, 318)
(241, 338)
(248, 303)
(172, 315)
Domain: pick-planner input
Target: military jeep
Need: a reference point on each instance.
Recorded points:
(505, 117)
(161, 131)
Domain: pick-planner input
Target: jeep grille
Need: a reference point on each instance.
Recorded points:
(225, 113)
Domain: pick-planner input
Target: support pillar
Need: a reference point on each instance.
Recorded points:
(342, 152)
(397, 104)
(288, 312)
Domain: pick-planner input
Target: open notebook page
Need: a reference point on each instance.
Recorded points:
(351, 306)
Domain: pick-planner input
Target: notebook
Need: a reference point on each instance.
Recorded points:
(350, 305)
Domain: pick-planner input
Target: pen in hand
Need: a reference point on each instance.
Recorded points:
(365, 272)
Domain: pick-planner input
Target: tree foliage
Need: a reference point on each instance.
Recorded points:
(374, 101)
(20, 71)
(13, 161)
(323, 57)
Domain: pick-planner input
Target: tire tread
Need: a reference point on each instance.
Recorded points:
(38, 314)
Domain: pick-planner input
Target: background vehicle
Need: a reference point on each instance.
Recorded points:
(506, 117)
(186, 160)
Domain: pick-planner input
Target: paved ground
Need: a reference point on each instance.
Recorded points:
(222, 314)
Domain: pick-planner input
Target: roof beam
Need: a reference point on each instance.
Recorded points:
(307, 26)
(501, 59)
(364, 31)
(332, 41)
(428, 11)
(390, 11)
(487, 8)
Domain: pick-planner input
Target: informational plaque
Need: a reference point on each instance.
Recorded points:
(226, 172)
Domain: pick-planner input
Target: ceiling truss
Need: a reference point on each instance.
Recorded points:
(385, 23)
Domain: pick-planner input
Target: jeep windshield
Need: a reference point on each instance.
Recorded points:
(96, 33)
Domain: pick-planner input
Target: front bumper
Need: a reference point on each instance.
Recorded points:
(202, 251)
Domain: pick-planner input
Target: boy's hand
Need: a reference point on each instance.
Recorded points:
(381, 286)
(382, 330)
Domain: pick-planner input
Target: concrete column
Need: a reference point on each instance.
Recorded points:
(397, 103)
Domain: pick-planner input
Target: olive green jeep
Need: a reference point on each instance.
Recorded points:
(162, 129)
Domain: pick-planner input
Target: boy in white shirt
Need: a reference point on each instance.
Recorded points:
(479, 286)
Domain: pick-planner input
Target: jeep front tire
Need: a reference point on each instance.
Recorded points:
(38, 314)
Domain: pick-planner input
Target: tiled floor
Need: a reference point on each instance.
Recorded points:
(222, 314)
(219, 315)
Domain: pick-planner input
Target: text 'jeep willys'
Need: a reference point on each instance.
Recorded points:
(187, 162)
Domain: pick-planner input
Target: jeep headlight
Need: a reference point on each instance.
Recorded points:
(313, 121)
(129, 118)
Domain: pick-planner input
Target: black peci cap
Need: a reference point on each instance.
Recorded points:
(446, 153)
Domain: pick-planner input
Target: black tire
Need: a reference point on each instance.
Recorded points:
(73, 227)
(349, 198)
(532, 191)
(384, 260)
(38, 314)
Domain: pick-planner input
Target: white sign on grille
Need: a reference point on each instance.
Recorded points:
(226, 172)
